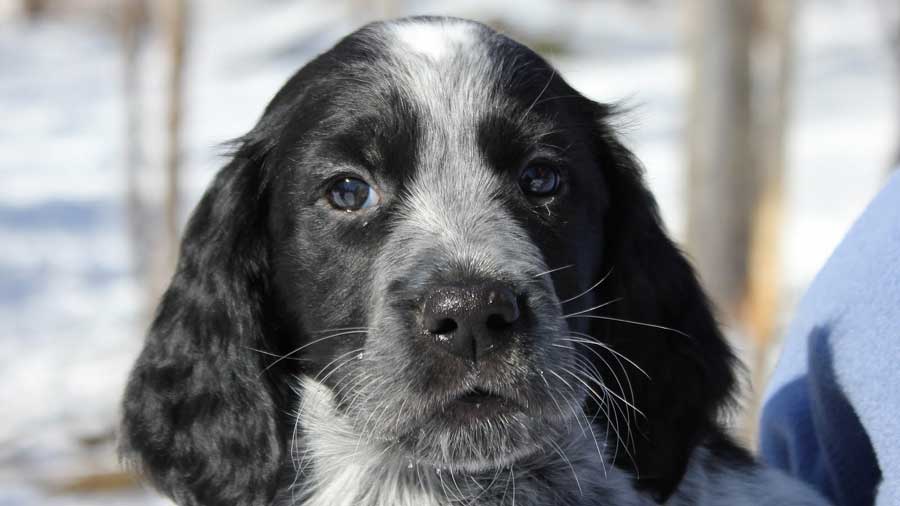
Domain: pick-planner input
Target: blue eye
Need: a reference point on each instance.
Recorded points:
(351, 194)
(539, 180)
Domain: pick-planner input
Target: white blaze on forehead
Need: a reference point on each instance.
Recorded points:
(436, 40)
(453, 198)
(443, 65)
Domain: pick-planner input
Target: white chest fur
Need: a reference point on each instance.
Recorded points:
(337, 467)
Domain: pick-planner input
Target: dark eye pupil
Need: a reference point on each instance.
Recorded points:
(539, 180)
(349, 194)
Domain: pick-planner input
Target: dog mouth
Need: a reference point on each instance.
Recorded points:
(477, 404)
(478, 396)
(477, 430)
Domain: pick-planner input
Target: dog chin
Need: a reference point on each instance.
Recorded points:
(467, 436)
(479, 445)
(480, 465)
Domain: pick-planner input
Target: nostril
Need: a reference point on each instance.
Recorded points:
(497, 322)
(471, 320)
(443, 326)
(503, 307)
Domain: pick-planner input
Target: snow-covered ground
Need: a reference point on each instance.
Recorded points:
(69, 323)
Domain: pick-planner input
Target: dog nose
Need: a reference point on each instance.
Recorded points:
(472, 321)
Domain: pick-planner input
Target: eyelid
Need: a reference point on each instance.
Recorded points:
(542, 154)
(555, 161)
(347, 172)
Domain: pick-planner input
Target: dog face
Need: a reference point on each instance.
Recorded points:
(419, 225)
(420, 209)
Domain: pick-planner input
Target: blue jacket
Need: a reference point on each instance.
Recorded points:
(831, 415)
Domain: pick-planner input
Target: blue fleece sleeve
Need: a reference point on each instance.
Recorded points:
(831, 415)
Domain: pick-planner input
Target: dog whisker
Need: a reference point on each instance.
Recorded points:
(307, 345)
(600, 454)
(632, 322)
(588, 310)
(400, 412)
(595, 285)
(594, 376)
(268, 353)
(614, 394)
(541, 94)
(364, 431)
(568, 462)
(616, 378)
(602, 403)
(552, 396)
(612, 371)
(592, 341)
(567, 394)
(339, 329)
(553, 270)
(355, 351)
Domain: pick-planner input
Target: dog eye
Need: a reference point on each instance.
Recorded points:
(539, 180)
(351, 194)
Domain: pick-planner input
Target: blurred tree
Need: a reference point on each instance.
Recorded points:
(721, 186)
(741, 53)
(133, 20)
(889, 12)
(772, 63)
(371, 10)
(147, 237)
(34, 8)
(175, 20)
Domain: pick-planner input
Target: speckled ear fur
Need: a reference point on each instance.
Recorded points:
(200, 419)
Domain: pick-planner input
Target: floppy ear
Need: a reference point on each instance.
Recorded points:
(200, 420)
(690, 367)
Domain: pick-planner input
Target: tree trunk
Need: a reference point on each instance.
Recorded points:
(175, 19)
(34, 9)
(772, 63)
(133, 20)
(890, 12)
(721, 184)
(742, 58)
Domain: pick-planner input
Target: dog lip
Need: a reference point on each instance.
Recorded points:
(479, 403)
(477, 395)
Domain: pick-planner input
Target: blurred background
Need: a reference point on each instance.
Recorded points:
(765, 127)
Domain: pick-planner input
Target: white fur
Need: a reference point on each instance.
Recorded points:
(444, 66)
(452, 200)
(342, 469)
(436, 41)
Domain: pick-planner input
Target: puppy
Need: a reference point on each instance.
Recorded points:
(432, 275)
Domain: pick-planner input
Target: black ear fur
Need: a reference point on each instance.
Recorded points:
(691, 371)
(200, 421)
